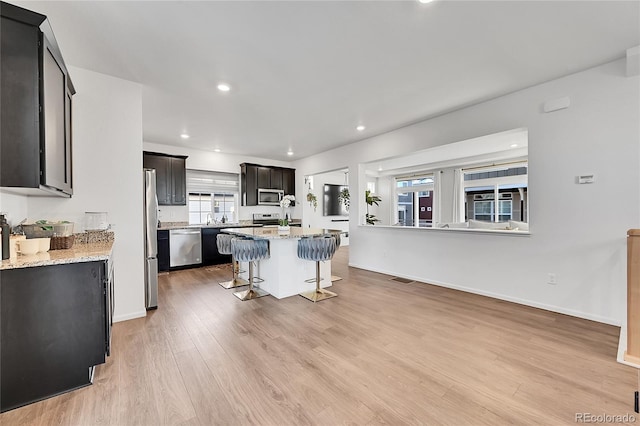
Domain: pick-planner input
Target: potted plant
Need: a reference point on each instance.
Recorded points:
(285, 203)
(371, 200)
(313, 200)
(344, 198)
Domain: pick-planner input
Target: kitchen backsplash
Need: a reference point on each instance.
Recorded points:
(173, 214)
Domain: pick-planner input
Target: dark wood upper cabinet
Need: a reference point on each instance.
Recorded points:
(171, 180)
(178, 181)
(162, 167)
(264, 177)
(249, 184)
(254, 176)
(276, 179)
(35, 106)
(289, 181)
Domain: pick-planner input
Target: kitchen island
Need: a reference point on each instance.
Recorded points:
(284, 274)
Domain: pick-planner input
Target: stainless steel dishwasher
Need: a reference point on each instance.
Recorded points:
(185, 247)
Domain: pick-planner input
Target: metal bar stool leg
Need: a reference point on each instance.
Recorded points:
(318, 294)
(236, 281)
(251, 293)
(317, 249)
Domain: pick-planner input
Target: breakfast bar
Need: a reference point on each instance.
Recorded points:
(284, 274)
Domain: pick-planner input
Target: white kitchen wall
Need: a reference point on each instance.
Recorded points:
(107, 176)
(15, 207)
(386, 191)
(578, 232)
(219, 162)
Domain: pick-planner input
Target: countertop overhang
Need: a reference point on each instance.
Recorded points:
(220, 225)
(272, 233)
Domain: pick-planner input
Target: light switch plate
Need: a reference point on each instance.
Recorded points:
(583, 179)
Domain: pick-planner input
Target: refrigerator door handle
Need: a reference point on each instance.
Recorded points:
(151, 214)
(151, 292)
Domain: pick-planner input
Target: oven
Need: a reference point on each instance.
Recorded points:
(266, 219)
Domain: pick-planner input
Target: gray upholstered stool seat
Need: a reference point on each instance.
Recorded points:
(317, 249)
(248, 250)
(224, 247)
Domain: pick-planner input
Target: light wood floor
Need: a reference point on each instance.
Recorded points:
(380, 353)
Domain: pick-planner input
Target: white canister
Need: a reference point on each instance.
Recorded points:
(95, 221)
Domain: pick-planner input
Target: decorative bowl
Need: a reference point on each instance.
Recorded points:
(28, 247)
(44, 244)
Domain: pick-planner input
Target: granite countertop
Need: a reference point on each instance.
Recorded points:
(88, 252)
(272, 233)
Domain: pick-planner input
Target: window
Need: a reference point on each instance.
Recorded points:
(213, 197)
(479, 183)
(505, 182)
(485, 210)
(415, 201)
(199, 208)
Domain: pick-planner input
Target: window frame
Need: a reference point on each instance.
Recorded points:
(497, 183)
(415, 190)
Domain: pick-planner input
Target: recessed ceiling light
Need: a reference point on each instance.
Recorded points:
(289, 153)
(424, 1)
(224, 87)
(216, 150)
(514, 145)
(360, 128)
(184, 136)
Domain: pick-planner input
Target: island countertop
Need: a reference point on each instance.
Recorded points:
(272, 233)
(87, 252)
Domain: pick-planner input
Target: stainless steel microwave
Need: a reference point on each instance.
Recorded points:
(270, 197)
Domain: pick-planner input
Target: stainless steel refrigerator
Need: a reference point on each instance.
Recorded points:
(150, 239)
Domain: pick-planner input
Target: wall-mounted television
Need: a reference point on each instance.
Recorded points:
(331, 201)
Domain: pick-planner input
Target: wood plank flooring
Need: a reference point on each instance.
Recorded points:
(382, 352)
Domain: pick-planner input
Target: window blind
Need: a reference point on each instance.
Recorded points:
(206, 182)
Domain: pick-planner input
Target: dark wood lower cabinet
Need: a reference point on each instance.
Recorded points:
(210, 253)
(55, 326)
(163, 250)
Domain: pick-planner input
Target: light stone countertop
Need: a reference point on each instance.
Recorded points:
(272, 233)
(78, 253)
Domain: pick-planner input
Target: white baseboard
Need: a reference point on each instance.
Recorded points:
(546, 307)
(129, 316)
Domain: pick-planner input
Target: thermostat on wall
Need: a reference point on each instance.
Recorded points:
(586, 179)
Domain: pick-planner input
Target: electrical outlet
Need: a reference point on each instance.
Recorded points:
(552, 279)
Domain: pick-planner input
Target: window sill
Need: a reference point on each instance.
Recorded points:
(514, 233)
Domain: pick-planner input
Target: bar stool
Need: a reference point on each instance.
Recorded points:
(317, 249)
(250, 250)
(337, 237)
(224, 247)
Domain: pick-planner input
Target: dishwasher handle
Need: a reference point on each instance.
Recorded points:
(184, 231)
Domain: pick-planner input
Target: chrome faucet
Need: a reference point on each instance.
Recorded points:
(209, 218)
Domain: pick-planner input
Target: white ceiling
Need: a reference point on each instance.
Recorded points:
(305, 73)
